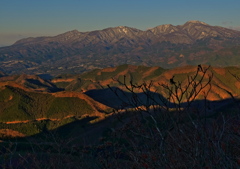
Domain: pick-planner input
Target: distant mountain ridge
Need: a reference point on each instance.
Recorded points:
(165, 45)
(191, 31)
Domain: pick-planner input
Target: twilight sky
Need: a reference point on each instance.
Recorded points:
(24, 18)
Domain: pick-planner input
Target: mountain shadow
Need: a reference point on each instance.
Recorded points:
(86, 131)
(45, 76)
(33, 83)
(116, 98)
(119, 99)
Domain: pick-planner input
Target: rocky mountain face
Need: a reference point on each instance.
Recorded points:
(166, 45)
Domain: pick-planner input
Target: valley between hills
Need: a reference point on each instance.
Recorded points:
(27, 100)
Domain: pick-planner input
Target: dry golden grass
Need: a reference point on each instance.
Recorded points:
(11, 133)
(220, 71)
(62, 80)
(150, 71)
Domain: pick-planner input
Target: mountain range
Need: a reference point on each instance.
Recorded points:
(29, 97)
(167, 46)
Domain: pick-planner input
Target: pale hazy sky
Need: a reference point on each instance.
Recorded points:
(25, 18)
